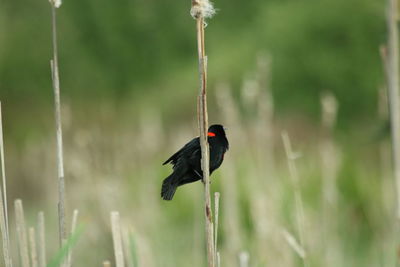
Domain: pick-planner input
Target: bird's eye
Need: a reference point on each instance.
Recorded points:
(211, 134)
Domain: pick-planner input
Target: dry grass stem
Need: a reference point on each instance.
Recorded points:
(32, 244)
(3, 175)
(291, 157)
(216, 209)
(126, 247)
(57, 115)
(328, 150)
(21, 233)
(42, 240)
(73, 229)
(117, 239)
(3, 204)
(391, 65)
(330, 163)
(198, 6)
(291, 240)
(244, 258)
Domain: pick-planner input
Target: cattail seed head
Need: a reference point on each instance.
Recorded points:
(202, 9)
(55, 3)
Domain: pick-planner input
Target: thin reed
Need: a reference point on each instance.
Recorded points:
(57, 114)
(73, 229)
(33, 249)
(391, 64)
(200, 10)
(5, 234)
(117, 239)
(21, 233)
(41, 240)
(299, 206)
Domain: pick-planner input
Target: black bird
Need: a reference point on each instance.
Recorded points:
(186, 162)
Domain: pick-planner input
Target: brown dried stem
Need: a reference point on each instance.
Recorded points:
(202, 115)
(3, 204)
(32, 244)
(391, 64)
(57, 113)
(21, 233)
(42, 240)
(117, 239)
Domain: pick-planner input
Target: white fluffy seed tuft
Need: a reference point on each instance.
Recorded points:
(55, 3)
(202, 8)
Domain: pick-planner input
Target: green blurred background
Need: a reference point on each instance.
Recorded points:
(129, 83)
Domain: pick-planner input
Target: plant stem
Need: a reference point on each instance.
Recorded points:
(3, 204)
(21, 233)
(294, 175)
(33, 250)
(57, 106)
(202, 115)
(392, 72)
(73, 229)
(42, 240)
(216, 210)
(117, 239)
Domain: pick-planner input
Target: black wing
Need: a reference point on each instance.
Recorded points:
(188, 150)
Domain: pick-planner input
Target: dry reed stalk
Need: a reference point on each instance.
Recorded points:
(33, 250)
(291, 157)
(42, 240)
(291, 240)
(117, 239)
(384, 152)
(126, 247)
(328, 150)
(384, 116)
(330, 160)
(57, 114)
(3, 204)
(73, 228)
(216, 210)
(106, 264)
(244, 259)
(21, 233)
(218, 260)
(200, 10)
(391, 64)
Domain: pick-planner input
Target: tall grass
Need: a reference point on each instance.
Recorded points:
(57, 115)
(5, 233)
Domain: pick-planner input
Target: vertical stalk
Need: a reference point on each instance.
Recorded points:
(216, 210)
(41, 240)
(392, 72)
(21, 233)
(33, 250)
(202, 115)
(57, 113)
(73, 229)
(117, 239)
(294, 175)
(3, 204)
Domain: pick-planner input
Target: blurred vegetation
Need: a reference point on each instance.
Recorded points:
(119, 52)
(129, 85)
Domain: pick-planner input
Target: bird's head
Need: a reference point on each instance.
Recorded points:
(216, 130)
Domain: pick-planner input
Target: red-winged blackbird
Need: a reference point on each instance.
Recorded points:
(187, 166)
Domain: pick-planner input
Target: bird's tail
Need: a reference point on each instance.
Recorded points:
(168, 188)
